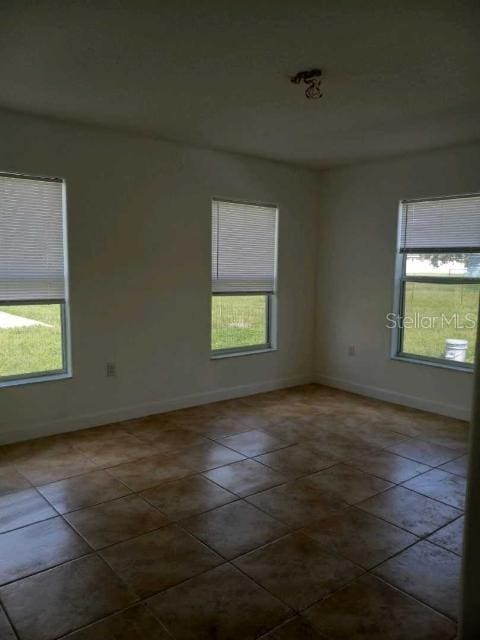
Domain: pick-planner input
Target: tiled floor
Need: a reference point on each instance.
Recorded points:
(298, 514)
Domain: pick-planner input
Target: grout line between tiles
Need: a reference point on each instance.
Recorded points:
(10, 621)
(429, 606)
(245, 498)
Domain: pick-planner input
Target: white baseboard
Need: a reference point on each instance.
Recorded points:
(454, 411)
(25, 431)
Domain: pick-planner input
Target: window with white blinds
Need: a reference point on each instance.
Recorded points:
(32, 256)
(438, 281)
(34, 336)
(441, 225)
(244, 243)
(244, 274)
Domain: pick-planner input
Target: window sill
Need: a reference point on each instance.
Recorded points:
(235, 354)
(33, 379)
(464, 368)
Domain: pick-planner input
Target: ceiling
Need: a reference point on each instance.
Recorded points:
(399, 76)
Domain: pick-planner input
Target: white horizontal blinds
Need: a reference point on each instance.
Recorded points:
(31, 239)
(449, 225)
(244, 240)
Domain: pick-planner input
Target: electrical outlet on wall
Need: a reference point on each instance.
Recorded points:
(351, 350)
(111, 369)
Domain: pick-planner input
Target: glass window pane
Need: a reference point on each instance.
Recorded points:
(437, 313)
(30, 339)
(238, 321)
(460, 265)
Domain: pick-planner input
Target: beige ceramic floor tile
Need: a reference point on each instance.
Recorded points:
(369, 609)
(318, 449)
(204, 457)
(298, 503)
(222, 603)
(146, 473)
(245, 477)
(296, 629)
(425, 452)
(55, 602)
(187, 497)
(37, 547)
(296, 461)
(12, 480)
(440, 485)
(115, 521)
(23, 507)
(459, 466)
(297, 570)
(360, 537)
(427, 572)
(44, 469)
(347, 483)
(234, 528)
(116, 450)
(6, 631)
(450, 537)
(388, 466)
(253, 443)
(83, 491)
(410, 510)
(158, 560)
(135, 623)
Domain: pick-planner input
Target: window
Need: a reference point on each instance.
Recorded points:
(33, 280)
(244, 246)
(438, 269)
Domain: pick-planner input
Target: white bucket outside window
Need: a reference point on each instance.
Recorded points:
(456, 349)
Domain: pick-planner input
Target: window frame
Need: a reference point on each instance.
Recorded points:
(248, 349)
(270, 296)
(66, 371)
(401, 280)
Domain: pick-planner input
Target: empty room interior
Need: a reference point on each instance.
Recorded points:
(239, 290)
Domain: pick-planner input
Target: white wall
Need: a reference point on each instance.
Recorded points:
(357, 239)
(139, 242)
